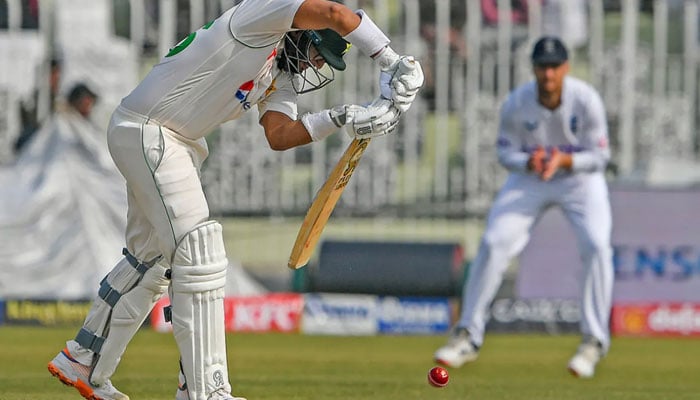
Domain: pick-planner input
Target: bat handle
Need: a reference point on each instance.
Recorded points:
(407, 64)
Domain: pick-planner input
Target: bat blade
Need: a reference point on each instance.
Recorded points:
(323, 204)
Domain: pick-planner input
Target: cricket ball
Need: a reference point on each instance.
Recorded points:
(438, 377)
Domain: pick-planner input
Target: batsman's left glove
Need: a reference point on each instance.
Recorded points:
(377, 119)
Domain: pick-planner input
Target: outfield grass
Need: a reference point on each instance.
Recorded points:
(296, 367)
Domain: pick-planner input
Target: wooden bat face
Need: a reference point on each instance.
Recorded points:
(324, 203)
(352, 163)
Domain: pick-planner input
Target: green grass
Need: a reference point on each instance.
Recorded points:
(296, 367)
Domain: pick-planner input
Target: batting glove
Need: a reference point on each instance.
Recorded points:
(406, 82)
(377, 119)
(400, 78)
(323, 123)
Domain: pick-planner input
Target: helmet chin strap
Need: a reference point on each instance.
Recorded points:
(295, 59)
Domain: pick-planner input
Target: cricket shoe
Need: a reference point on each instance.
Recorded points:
(583, 363)
(72, 373)
(458, 350)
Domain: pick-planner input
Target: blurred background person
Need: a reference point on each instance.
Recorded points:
(29, 111)
(81, 99)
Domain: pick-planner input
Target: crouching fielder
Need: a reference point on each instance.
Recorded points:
(260, 52)
(553, 139)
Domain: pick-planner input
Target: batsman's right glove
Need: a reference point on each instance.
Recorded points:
(376, 119)
(400, 79)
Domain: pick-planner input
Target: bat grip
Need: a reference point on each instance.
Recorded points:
(407, 64)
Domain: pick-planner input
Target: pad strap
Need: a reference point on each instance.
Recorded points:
(125, 318)
(111, 296)
(141, 267)
(89, 340)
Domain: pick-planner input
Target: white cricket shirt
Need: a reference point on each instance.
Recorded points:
(578, 126)
(220, 71)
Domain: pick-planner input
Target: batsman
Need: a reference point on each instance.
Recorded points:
(260, 53)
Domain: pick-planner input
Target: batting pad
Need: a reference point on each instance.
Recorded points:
(197, 300)
(124, 277)
(126, 318)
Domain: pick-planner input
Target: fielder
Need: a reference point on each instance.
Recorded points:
(262, 53)
(553, 139)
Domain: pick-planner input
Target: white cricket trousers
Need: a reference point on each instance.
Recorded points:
(162, 171)
(584, 200)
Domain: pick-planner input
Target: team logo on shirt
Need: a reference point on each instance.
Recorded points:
(242, 93)
(244, 90)
(573, 124)
(531, 125)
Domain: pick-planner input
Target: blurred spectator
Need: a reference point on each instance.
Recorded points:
(429, 32)
(82, 99)
(30, 14)
(616, 5)
(518, 11)
(567, 19)
(29, 111)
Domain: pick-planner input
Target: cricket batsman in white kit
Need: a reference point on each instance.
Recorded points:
(262, 53)
(553, 139)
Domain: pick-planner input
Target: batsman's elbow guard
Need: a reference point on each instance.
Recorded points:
(379, 118)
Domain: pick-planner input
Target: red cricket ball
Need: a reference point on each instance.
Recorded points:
(438, 377)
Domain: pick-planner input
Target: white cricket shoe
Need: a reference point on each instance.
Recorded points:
(72, 373)
(583, 363)
(458, 350)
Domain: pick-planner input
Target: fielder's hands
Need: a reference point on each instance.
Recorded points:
(376, 119)
(536, 161)
(546, 165)
(558, 160)
(400, 78)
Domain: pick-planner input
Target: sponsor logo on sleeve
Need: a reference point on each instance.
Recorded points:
(242, 93)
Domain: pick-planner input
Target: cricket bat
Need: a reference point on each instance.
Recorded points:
(324, 203)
